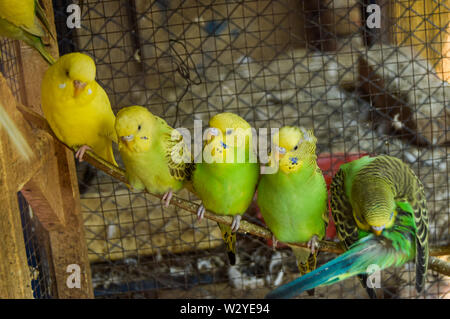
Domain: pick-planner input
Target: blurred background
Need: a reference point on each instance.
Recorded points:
(311, 63)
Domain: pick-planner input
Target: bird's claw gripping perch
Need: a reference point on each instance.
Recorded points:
(274, 242)
(80, 152)
(200, 212)
(167, 198)
(313, 243)
(236, 223)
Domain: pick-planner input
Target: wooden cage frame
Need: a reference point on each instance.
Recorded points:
(49, 183)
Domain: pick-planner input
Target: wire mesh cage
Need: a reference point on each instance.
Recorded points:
(9, 66)
(37, 253)
(316, 64)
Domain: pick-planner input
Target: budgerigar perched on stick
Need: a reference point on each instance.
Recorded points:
(154, 154)
(226, 182)
(379, 207)
(293, 201)
(25, 21)
(77, 108)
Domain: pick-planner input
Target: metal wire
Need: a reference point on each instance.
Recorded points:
(37, 254)
(9, 66)
(250, 59)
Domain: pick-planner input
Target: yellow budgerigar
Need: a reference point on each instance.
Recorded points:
(77, 108)
(155, 155)
(25, 21)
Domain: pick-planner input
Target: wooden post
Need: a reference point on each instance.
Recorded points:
(15, 280)
(49, 183)
(15, 171)
(68, 244)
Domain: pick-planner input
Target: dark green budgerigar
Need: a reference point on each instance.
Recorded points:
(379, 207)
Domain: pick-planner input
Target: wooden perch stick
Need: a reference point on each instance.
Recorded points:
(245, 227)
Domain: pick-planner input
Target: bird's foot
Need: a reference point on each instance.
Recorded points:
(236, 223)
(274, 242)
(80, 153)
(166, 198)
(313, 243)
(200, 212)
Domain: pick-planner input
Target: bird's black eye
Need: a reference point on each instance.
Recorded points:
(67, 73)
(139, 128)
(296, 147)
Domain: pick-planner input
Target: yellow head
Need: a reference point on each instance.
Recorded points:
(76, 73)
(233, 129)
(293, 148)
(224, 121)
(228, 139)
(135, 126)
(373, 204)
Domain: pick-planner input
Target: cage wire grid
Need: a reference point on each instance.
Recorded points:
(36, 251)
(275, 63)
(9, 66)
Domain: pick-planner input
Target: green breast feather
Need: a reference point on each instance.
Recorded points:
(294, 205)
(226, 188)
(150, 170)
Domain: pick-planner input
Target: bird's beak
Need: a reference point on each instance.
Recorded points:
(127, 138)
(377, 230)
(279, 153)
(79, 87)
(277, 156)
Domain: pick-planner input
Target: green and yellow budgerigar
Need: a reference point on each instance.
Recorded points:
(379, 207)
(155, 155)
(293, 201)
(226, 178)
(365, 196)
(77, 108)
(26, 22)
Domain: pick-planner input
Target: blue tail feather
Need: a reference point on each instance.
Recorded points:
(345, 265)
(369, 250)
